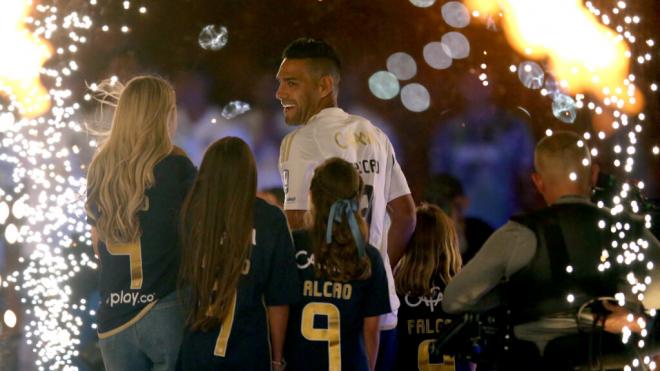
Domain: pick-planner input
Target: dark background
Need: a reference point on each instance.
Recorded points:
(365, 32)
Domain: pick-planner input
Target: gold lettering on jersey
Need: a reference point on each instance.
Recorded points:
(134, 253)
(352, 139)
(220, 349)
(339, 141)
(425, 326)
(245, 268)
(328, 289)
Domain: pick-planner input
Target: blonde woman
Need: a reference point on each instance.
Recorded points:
(136, 183)
(431, 260)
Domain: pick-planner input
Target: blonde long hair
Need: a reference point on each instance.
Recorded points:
(123, 167)
(432, 254)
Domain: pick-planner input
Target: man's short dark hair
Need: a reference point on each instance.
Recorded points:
(306, 47)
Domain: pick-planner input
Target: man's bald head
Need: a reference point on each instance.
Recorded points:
(563, 160)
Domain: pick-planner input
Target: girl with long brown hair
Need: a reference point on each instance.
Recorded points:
(238, 264)
(431, 259)
(335, 327)
(135, 186)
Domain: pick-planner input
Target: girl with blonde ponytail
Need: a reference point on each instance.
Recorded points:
(136, 183)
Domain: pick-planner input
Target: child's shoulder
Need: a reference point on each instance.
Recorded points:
(374, 254)
(173, 164)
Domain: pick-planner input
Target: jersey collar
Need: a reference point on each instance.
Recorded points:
(327, 114)
(568, 199)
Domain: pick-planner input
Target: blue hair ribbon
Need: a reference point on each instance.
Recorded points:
(338, 210)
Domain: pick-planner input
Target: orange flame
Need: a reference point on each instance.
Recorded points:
(585, 55)
(23, 54)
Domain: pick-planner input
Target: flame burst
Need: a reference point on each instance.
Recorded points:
(25, 54)
(584, 54)
(588, 57)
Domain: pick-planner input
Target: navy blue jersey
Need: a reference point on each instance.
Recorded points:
(325, 328)
(134, 276)
(420, 321)
(242, 341)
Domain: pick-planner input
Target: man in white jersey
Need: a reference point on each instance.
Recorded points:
(308, 88)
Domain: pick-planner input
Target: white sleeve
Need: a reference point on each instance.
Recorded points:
(398, 186)
(296, 178)
(296, 172)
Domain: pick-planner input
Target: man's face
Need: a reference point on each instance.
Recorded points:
(298, 91)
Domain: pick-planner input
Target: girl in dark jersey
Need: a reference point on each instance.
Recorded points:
(135, 186)
(344, 288)
(238, 263)
(431, 259)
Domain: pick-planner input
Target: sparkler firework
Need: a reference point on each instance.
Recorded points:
(592, 56)
(43, 187)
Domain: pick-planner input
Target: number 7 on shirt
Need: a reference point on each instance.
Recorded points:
(134, 252)
(225, 330)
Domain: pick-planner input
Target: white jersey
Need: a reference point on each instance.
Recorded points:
(334, 133)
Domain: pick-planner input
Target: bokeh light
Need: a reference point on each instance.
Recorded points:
(531, 75)
(422, 3)
(402, 65)
(12, 234)
(213, 37)
(384, 85)
(10, 318)
(456, 44)
(415, 97)
(436, 56)
(563, 108)
(234, 108)
(455, 14)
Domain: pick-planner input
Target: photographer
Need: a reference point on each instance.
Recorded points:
(547, 265)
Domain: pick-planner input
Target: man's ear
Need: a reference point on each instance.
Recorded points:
(326, 85)
(538, 182)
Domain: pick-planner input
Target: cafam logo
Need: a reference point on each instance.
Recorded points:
(303, 260)
(430, 301)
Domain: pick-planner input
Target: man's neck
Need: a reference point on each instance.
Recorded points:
(322, 105)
